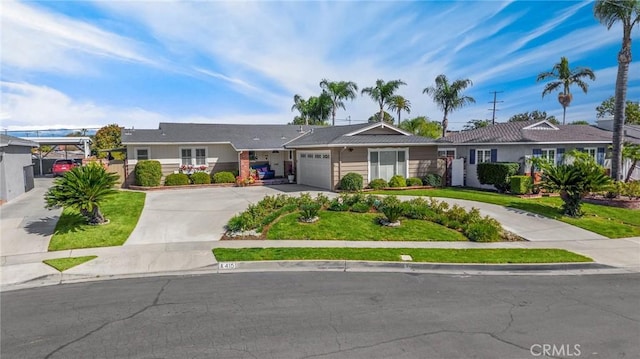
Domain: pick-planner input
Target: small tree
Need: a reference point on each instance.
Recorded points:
(109, 137)
(632, 152)
(84, 189)
(573, 181)
(497, 174)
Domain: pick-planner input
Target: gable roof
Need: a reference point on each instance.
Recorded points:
(530, 132)
(367, 134)
(241, 137)
(6, 140)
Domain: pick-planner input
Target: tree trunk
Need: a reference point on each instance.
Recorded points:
(445, 123)
(624, 58)
(333, 116)
(93, 217)
(564, 114)
(398, 118)
(630, 172)
(381, 113)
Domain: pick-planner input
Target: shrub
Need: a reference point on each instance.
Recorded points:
(417, 208)
(631, 189)
(378, 183)
(373, 200)
(392, 209)
(351, 199)
(414, 181)
(176, 179)
(397, 181)
(520, 184)
(351, 182)
(432, 179)
(242, 222)
(497, 174)
(309, 211)
(148, 173)
(338, 206)
(361, 207)
(322, 200)
(484, 231)
(200, 178)
(223, 177)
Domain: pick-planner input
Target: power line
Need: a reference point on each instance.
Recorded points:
(494, 102)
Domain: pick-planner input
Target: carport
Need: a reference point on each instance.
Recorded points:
(82, 143)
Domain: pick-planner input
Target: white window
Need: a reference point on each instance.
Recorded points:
(193, 156)
(592, 151)
(386, 163)
(447, 152)
(483, 155)
(142, 154)
(549, 155)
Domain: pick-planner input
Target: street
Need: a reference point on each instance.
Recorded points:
(327, 315)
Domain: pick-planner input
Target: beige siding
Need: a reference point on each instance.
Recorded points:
(344, 161)
(170, 154)
(423, 160)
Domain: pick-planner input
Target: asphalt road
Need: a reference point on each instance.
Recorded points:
(327, 315)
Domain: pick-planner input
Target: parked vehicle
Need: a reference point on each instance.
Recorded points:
(61, 166)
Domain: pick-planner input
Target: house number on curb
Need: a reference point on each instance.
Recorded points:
(226, 265)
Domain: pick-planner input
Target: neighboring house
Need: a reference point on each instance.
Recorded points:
(374, 150)
(631, 134)
(519, 141)
(319, 156)
(220, 147)
(16, 169)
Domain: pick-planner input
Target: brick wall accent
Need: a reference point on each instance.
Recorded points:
(244, 164)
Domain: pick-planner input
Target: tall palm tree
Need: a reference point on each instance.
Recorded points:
(448, 96)
(382, 93)
(626, 12)
(319, 108)
(300, 104)
(338, 91)
(564, 77)
(399, 104)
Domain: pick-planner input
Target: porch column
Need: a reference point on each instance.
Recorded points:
(244, 164)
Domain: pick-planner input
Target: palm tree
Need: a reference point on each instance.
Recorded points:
(449, 97)
(626, 12)
(565, 77)
(399, 103)
(382, 93)
(300, 104)
(319, 108)
(84, 189)
(421, 126)
(338, 91)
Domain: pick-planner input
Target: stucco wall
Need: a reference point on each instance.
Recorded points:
(170, 154)
(14, 159)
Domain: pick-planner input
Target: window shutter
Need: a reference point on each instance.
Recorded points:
(600, 156)
(472, 157)
(537, 152)
(494, 155)
(559, 155)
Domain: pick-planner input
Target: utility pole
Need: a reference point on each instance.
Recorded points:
(494, 102)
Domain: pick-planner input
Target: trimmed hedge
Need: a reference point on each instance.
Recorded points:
(200, 178)
(351, 182)
(432, 179)
(148, 173)
(414, 181)
(378, 183)
(223, 177)
(520, 184)
(497, 174)
(397, 181)
(177, 179)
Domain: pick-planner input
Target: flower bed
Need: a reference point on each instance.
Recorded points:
(614, 202)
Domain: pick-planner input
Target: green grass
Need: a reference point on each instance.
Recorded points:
(62, 264)
(359, 227)
(432, 255)
(610, 222)
(122, 209)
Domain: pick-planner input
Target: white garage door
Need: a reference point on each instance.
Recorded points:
(314, 168)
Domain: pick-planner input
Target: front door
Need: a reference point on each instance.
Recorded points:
(276, 160)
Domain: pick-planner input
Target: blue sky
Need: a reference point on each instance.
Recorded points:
(137, 63)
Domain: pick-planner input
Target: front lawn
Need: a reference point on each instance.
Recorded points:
(431, 255)
(610, 222)
(62, 264)
(122, 210)
(351, 226)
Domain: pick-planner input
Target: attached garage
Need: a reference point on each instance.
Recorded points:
(314, 168)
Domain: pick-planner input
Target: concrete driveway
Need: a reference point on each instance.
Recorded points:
(195, 215)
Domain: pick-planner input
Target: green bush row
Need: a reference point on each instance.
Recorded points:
(475, 227)
(182, 179)
(399, 181)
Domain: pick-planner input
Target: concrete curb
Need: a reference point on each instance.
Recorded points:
(336, 266)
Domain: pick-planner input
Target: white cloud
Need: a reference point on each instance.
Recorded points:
(35, 39)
